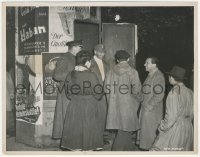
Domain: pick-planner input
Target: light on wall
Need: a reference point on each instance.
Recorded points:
(117, 17)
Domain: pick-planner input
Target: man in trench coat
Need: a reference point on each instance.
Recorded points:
(63, 67)
(176, 129)
(151, 111)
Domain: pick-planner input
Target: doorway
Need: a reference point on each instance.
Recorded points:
(119, 36)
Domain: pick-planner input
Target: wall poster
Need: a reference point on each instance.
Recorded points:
(49, 63)
(33, 30)
(29, 98)
(63, 31)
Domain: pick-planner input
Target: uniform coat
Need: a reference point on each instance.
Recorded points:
(63, 67)
(152, 108)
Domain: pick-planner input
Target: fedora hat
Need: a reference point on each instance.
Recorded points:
(177, 72)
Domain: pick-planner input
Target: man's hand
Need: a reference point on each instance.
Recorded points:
(162, 126)
(52, 65)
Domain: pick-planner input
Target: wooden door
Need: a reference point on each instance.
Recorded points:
(117, 36)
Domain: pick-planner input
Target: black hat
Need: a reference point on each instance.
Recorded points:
(74, 43)
(122, 55)
(177, 72)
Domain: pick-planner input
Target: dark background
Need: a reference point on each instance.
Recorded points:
(164, 32)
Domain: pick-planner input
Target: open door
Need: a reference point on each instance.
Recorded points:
(119, 36)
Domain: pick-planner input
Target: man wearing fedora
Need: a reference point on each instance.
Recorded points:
(176, 129)
(63, 67)
(151, 111)
(100, 68)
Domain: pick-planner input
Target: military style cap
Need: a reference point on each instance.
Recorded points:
(74, 43)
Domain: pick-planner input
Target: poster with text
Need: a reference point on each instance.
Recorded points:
(33, 30)
(29, 97)
(61, 26)
(49, 64)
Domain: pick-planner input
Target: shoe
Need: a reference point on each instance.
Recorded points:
(98, 149)
(106, 142)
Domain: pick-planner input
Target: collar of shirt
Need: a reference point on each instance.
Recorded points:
(80, 68)
(101, 67)
(97, 59)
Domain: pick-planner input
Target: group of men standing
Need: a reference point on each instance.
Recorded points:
(119, 108)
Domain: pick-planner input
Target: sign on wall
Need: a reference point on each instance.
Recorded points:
(33, 30)
(61, 28)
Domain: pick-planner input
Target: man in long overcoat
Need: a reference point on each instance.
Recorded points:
(63, 67)
(123, 88)
(176, 129)
(151, 111)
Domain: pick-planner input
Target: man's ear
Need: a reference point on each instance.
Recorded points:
(154, 65)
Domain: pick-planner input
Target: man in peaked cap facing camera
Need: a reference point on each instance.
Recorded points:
(63, 67)
(176, 129)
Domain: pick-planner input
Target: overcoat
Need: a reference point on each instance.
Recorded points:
(176, 130)
(82, 129)
(123, 97)
(63, 67)
(151, 111)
